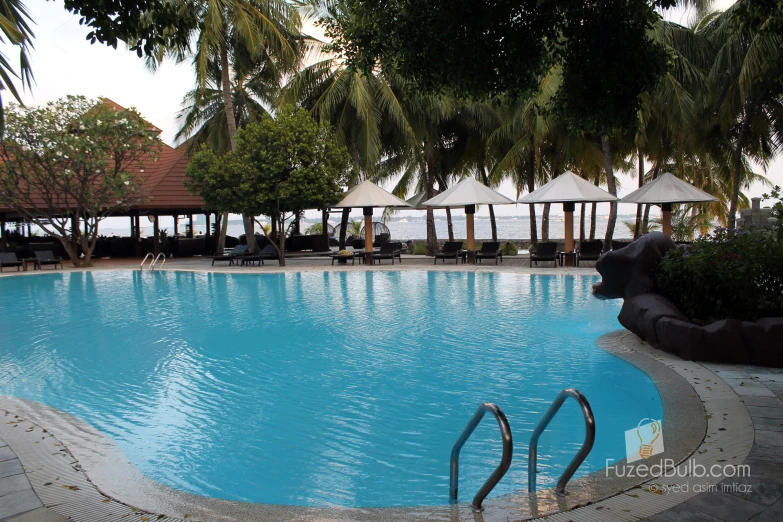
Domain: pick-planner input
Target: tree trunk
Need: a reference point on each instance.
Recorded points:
(221, 241)
(612, 186)
(582, 224)
(593, 211)
(492, 223)
(449, 224)
(646, 216)
(531, 186)
(344, 227)
(281, 238)
(638, 227)
(545, 222)
(429, 188)
(735, 189)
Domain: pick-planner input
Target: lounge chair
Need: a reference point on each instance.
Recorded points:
(451, 249)
(489, 250)
(388, 251)
(10, 259)
(589, 251)
(237, 251)
(617, 245)
(269, 252)
(545, 251)
(46, 257)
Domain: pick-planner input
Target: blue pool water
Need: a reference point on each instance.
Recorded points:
(321, 389)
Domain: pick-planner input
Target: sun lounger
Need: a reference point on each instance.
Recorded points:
(589, 251)
(451, 249)
(10, 259)
(46, 257)
(489, 250)
(545, 251)
(617, 245)
(388, 251)
(237, 251)
(269, 252)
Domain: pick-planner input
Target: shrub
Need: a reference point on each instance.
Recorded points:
(726, 275)
(419, 249)
(509, 249)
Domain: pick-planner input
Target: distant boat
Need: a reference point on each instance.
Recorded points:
(403, 220)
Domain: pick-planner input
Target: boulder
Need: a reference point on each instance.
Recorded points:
(764, 339)
(629, 272)
(680, 337)
(723, 342)
(640, 314)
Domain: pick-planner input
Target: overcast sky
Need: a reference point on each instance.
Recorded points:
(65, 63)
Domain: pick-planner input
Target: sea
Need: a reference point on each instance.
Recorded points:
(415, 228)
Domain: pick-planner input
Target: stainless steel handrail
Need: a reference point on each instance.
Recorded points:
(141, 266)
(581, 455)
(505, 460)
(152, 266)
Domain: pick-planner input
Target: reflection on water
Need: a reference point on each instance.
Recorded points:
(321, 389)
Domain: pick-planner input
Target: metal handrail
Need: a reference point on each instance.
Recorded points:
(152, 266)
(505, 460)
(581, 455)
(141, 266)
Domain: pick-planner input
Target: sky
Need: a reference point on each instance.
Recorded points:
(64, 62)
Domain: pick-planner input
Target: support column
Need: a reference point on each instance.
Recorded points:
(132, 225)
(29, 230)
(156, 236)
(469, 211)
(3, 237)
(218, 224)
(176, 225)
(208, 232)
(666, 219)
(568, 210)
(325, 225)
(137, 236)
(367, 211)
(190, 224)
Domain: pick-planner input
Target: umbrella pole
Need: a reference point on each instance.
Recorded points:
(469, 211)
(367, 235)
(568, 210)
(666, 219)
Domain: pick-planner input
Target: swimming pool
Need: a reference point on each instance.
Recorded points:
(321, 389)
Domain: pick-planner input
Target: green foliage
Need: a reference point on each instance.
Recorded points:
(510, 249)
(730, 274)
(469, 48)
(777, 208)
(74, 157)
(15, 27)
(281, 166)
(419, 249)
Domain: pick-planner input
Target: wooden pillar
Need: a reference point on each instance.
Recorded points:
(325, 225)
(156, 234)
(218, 224)
(470, 210)
(568, 210)
(3, 237)
(29, 230)
(190, 223)
(132, 225)
(666, 219)
(367, 211)
(176, 225)
(137, 236)
(209, 232)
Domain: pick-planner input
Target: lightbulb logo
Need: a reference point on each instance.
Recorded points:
(644, 441)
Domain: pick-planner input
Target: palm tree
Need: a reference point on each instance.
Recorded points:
(264, 31)
(745, 95)
(15, 26)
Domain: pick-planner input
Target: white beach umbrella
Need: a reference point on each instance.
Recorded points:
(368, 195)
(664, 191)
(568, 189)
(469, 193)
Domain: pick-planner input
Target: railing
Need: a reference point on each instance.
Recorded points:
(161, 255)
(587, 412)
(148, 256)
(505, 460)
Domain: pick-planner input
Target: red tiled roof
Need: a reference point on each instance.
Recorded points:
(163, 179)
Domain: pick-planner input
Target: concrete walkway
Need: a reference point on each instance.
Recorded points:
(759, 497)
(18, 501)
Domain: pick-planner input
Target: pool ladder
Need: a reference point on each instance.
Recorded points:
(508, 447)
(153, 261)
